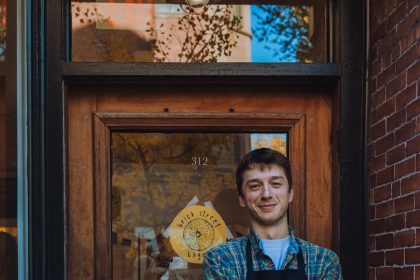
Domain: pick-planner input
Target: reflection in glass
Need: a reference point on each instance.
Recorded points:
(156, 32)
(155, 176)
(2, 29)
(8, 184)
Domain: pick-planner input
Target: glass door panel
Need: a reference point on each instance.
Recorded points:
(154, 177)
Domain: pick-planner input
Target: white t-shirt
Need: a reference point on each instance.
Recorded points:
(276, 249)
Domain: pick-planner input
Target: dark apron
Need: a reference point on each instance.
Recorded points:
(288, 274)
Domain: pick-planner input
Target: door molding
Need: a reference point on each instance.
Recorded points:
(104, 123)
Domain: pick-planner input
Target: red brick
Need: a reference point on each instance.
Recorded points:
(376, 259)
(397, 84)
(372, 214)
(372, 273)
(385, 209)
(396, 119)
(382, 193)
(395, 155)
(404, 168)
(417, 199)
(406, 59)
(385, 241)
(406, 96)
(385, 176)
(387, 75)
(397, 15)
(404, 204)
(377, 163)
(408, 40)
(413, 146)
(417, 272)
(405, 238)
(394, 223)
(388, 42)
(413, 219)
(418, 236)
(377, 226)
(407, 23)
(405, 132)
(385, 109)
(375, 67)
(371, 242)
(380, 11)
(413, 109)
(386, 59)
(412, 256)
(396, 191)
(418, 125)
(413, 72)
(378, 98)
(417, 162)
(385, 273)
(374, 52)
(373, 83)
(404, 273)
(394, 257)
(378, 130)
(411, 4)
(395, 52)
(385, 144)
(410, 184)
(372, 181)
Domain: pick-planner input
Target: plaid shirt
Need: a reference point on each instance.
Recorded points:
(228, 261)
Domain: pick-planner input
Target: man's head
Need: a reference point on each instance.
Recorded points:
(264, 187)
(259, 158)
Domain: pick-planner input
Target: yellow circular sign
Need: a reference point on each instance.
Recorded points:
(195, 230)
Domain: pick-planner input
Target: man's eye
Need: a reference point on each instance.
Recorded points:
(254, 187)
(276, 185)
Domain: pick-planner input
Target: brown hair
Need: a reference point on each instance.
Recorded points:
(262, 156)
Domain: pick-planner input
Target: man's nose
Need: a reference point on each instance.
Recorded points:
(266, 191)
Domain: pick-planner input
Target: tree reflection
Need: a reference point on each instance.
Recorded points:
(202, 37)
(154, 175)
(284, 30)
(2, 29)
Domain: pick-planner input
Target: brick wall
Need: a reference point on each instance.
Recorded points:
(394, 148)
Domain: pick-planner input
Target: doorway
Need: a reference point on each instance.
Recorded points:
(119, 205)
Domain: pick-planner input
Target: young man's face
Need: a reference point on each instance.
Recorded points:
(266, 194)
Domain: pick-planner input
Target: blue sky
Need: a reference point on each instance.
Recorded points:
(258, 51)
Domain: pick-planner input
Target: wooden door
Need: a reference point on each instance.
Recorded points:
(95, 113)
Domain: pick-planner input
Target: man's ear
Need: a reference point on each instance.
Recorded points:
(291, 194)
(241, 200)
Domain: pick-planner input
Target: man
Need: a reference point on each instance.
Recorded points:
(271, 250)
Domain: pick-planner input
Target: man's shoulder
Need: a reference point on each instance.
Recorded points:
(316, 251)
(233, 246)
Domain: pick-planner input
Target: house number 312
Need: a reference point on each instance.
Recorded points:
(199, 160)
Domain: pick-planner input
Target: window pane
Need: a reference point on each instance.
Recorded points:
(154, 177)
(160, 32)
(8, 185)
(2, 29)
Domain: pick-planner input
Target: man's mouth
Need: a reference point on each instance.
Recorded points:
(267, 207)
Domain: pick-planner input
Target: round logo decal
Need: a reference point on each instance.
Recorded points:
(195, 230)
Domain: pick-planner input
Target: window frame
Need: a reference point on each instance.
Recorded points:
(51, 72)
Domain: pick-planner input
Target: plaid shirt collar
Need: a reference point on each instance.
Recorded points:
(292, 251)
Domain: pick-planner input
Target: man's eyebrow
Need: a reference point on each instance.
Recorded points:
(252, 180)
(277, 177)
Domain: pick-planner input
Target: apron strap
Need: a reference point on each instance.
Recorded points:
(301, 262)
(249, 267)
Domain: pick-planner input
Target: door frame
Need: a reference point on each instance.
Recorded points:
(105, 123)
(51, 72)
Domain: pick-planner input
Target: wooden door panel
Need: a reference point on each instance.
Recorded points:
(91, 107)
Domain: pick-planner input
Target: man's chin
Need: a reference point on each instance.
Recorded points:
(268, 221)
